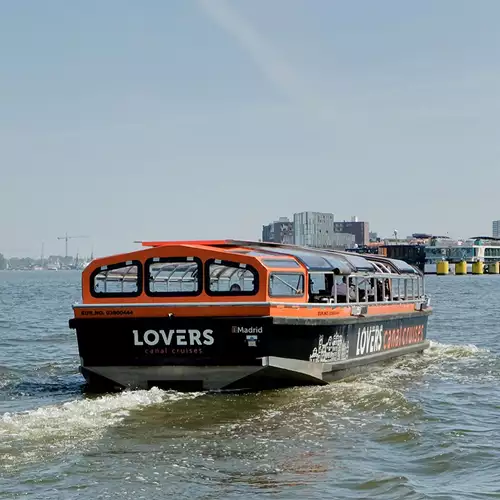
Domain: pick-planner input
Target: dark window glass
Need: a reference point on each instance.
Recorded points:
(280, 263)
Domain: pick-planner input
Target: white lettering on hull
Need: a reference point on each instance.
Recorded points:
(173, 337)
(247, 329)
(369, 340)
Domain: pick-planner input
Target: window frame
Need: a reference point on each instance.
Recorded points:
(111, 267)
(236, 265)
(274, 273)
(166, 260)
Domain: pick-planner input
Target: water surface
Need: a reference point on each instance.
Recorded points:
(422, 427)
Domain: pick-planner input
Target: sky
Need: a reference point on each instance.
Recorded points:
(200, 119)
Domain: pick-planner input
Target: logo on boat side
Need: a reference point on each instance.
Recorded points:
(252, 340)
(174, 338)
(403, 336)
(247, 329)
(369, 340)
(336, 348)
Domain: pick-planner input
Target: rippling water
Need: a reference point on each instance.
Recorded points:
(424, 427)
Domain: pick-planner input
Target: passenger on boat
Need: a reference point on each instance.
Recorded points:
(235, 288)
(380, 290)
(342, 291)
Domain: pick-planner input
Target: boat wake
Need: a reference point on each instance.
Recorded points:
(391, 389)
(72, 426)
(453, 362)
(387, 405)
(268, 419)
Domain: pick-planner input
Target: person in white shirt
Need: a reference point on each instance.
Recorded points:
(342, 291)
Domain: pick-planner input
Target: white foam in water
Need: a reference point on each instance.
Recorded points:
(79, 424)
(438, 349)
(379, 391)
(386, 387)
(4, 382)
(74, 423)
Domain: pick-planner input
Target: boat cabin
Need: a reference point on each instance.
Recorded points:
(233, 271)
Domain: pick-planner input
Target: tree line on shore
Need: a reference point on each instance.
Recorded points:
(29, 263)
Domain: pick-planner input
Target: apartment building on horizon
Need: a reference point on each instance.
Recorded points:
(496, 229)
(359, 229)
(280, 231)
(316, 229)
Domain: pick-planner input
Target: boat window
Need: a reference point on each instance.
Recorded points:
(286, 284)
(280, 263)
(253, 253)
(314, 259)
(173, 276)
(403, 266)
(320, 286)
(317, 284)
(359, 262)
(123, 279)
(311, 259)
(225, 277)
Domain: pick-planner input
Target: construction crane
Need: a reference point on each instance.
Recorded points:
(66, 238)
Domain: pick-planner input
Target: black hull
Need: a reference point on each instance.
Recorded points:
(214, 354)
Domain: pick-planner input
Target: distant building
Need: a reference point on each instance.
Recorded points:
(372, 236)
(359, 229)
(313, 229)
(317, 230)
(280, 231)
(420, 236)
(496, 229)
(343, 240)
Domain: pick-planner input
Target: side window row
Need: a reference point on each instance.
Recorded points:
(174, 277)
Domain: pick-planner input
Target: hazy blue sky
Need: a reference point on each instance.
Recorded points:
(169, 119)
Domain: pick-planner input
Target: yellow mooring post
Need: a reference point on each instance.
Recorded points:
(442, 267)
(477, 267)
(461, 267)
(494, 268)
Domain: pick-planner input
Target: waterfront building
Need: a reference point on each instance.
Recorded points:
(476, 249)
(359, 229)
(496, 229)
(280, 231)
(317, 230)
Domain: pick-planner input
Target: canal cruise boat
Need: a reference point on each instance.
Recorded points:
(243, 315)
